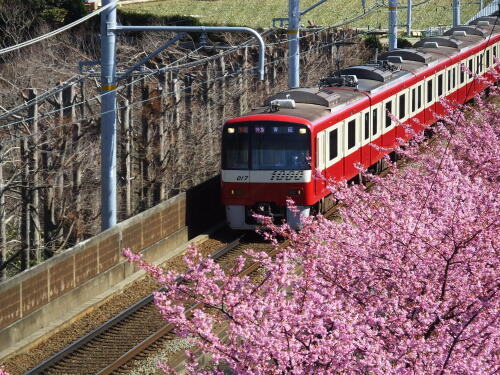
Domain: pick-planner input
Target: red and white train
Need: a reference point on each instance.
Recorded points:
(269, 154)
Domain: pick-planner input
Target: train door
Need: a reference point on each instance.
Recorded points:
(402, 108)
(451, 83)
(320, 179)
(461, 82)
(365, 137)
(430, 98)
(352, 145)
(376, 131)
(440, 92)
(334, 152)
(471, 65)
(419, 106)
(388, 135)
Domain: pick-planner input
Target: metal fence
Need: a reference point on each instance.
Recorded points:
(486, 11)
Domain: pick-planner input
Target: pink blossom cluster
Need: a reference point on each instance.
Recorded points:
(406, 282)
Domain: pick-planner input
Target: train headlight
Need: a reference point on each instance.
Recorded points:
(236, 192)
(295, 192)
(230, 130)
(302, 131)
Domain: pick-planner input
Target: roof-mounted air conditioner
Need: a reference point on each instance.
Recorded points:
(395, 59)
(430, 45)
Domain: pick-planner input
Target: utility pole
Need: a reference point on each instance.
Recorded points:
(393, 39)
(294, 15)
(456, 13)
(109, 80)
(408, 17)
(108, 116)
(293, 43)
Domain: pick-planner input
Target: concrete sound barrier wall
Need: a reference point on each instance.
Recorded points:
(41, 295)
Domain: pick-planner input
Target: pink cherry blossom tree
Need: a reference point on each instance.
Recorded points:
(406, 282)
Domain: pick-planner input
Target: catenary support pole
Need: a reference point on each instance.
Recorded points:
(408, 17)
(293, 43)
(205, 29)
(109, 28)
(108, 117)
(456, 12)
(393, 41)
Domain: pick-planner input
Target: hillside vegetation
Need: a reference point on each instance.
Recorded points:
(259, 14)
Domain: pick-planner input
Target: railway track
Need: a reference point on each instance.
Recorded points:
(139, 330)
(110, 346)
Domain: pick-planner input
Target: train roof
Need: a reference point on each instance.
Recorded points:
(311, 103)
(353, 84)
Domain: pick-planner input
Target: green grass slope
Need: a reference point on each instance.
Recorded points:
(259, 13)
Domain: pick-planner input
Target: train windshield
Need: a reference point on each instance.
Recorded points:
(266, 145)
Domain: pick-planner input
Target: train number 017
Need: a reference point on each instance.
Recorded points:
(242, 178)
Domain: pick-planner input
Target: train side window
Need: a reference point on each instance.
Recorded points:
(419, 98)
(449, 79)
(334, 144)
(402, 106)
(388, 110)
(494, 53)
(430, 94)
(440, 85)
(471, 68)
(366, 119)
(454, 78)
(414, 99)
(488, 58)
(351, 134)
(462, 73)
(374, 121)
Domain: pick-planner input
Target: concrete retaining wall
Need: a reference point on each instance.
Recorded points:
(35, 298)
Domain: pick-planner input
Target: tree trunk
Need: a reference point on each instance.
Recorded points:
(126, 143)
(34, 170)
(25, 207)
(3, 232)
(222, 89)
(145, 154)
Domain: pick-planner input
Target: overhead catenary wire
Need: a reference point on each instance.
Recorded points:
(60, 88)
(448, 143)
(69, 82)
(54, 32)
(172, 67)
(97, 97)
(170, 93)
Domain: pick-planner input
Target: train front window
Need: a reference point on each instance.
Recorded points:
(266, 145)
(236, 143)
(280, 147)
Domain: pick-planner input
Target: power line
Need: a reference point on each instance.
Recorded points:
(448, 143)
(162, 70)
(55, 32)
(70, 82)
(170, 67)
(164, 95)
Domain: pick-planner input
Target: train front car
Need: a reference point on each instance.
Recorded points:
(264, 162)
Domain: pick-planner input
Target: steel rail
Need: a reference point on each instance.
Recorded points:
(163, 331)
(64, 353)
(168, 328)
